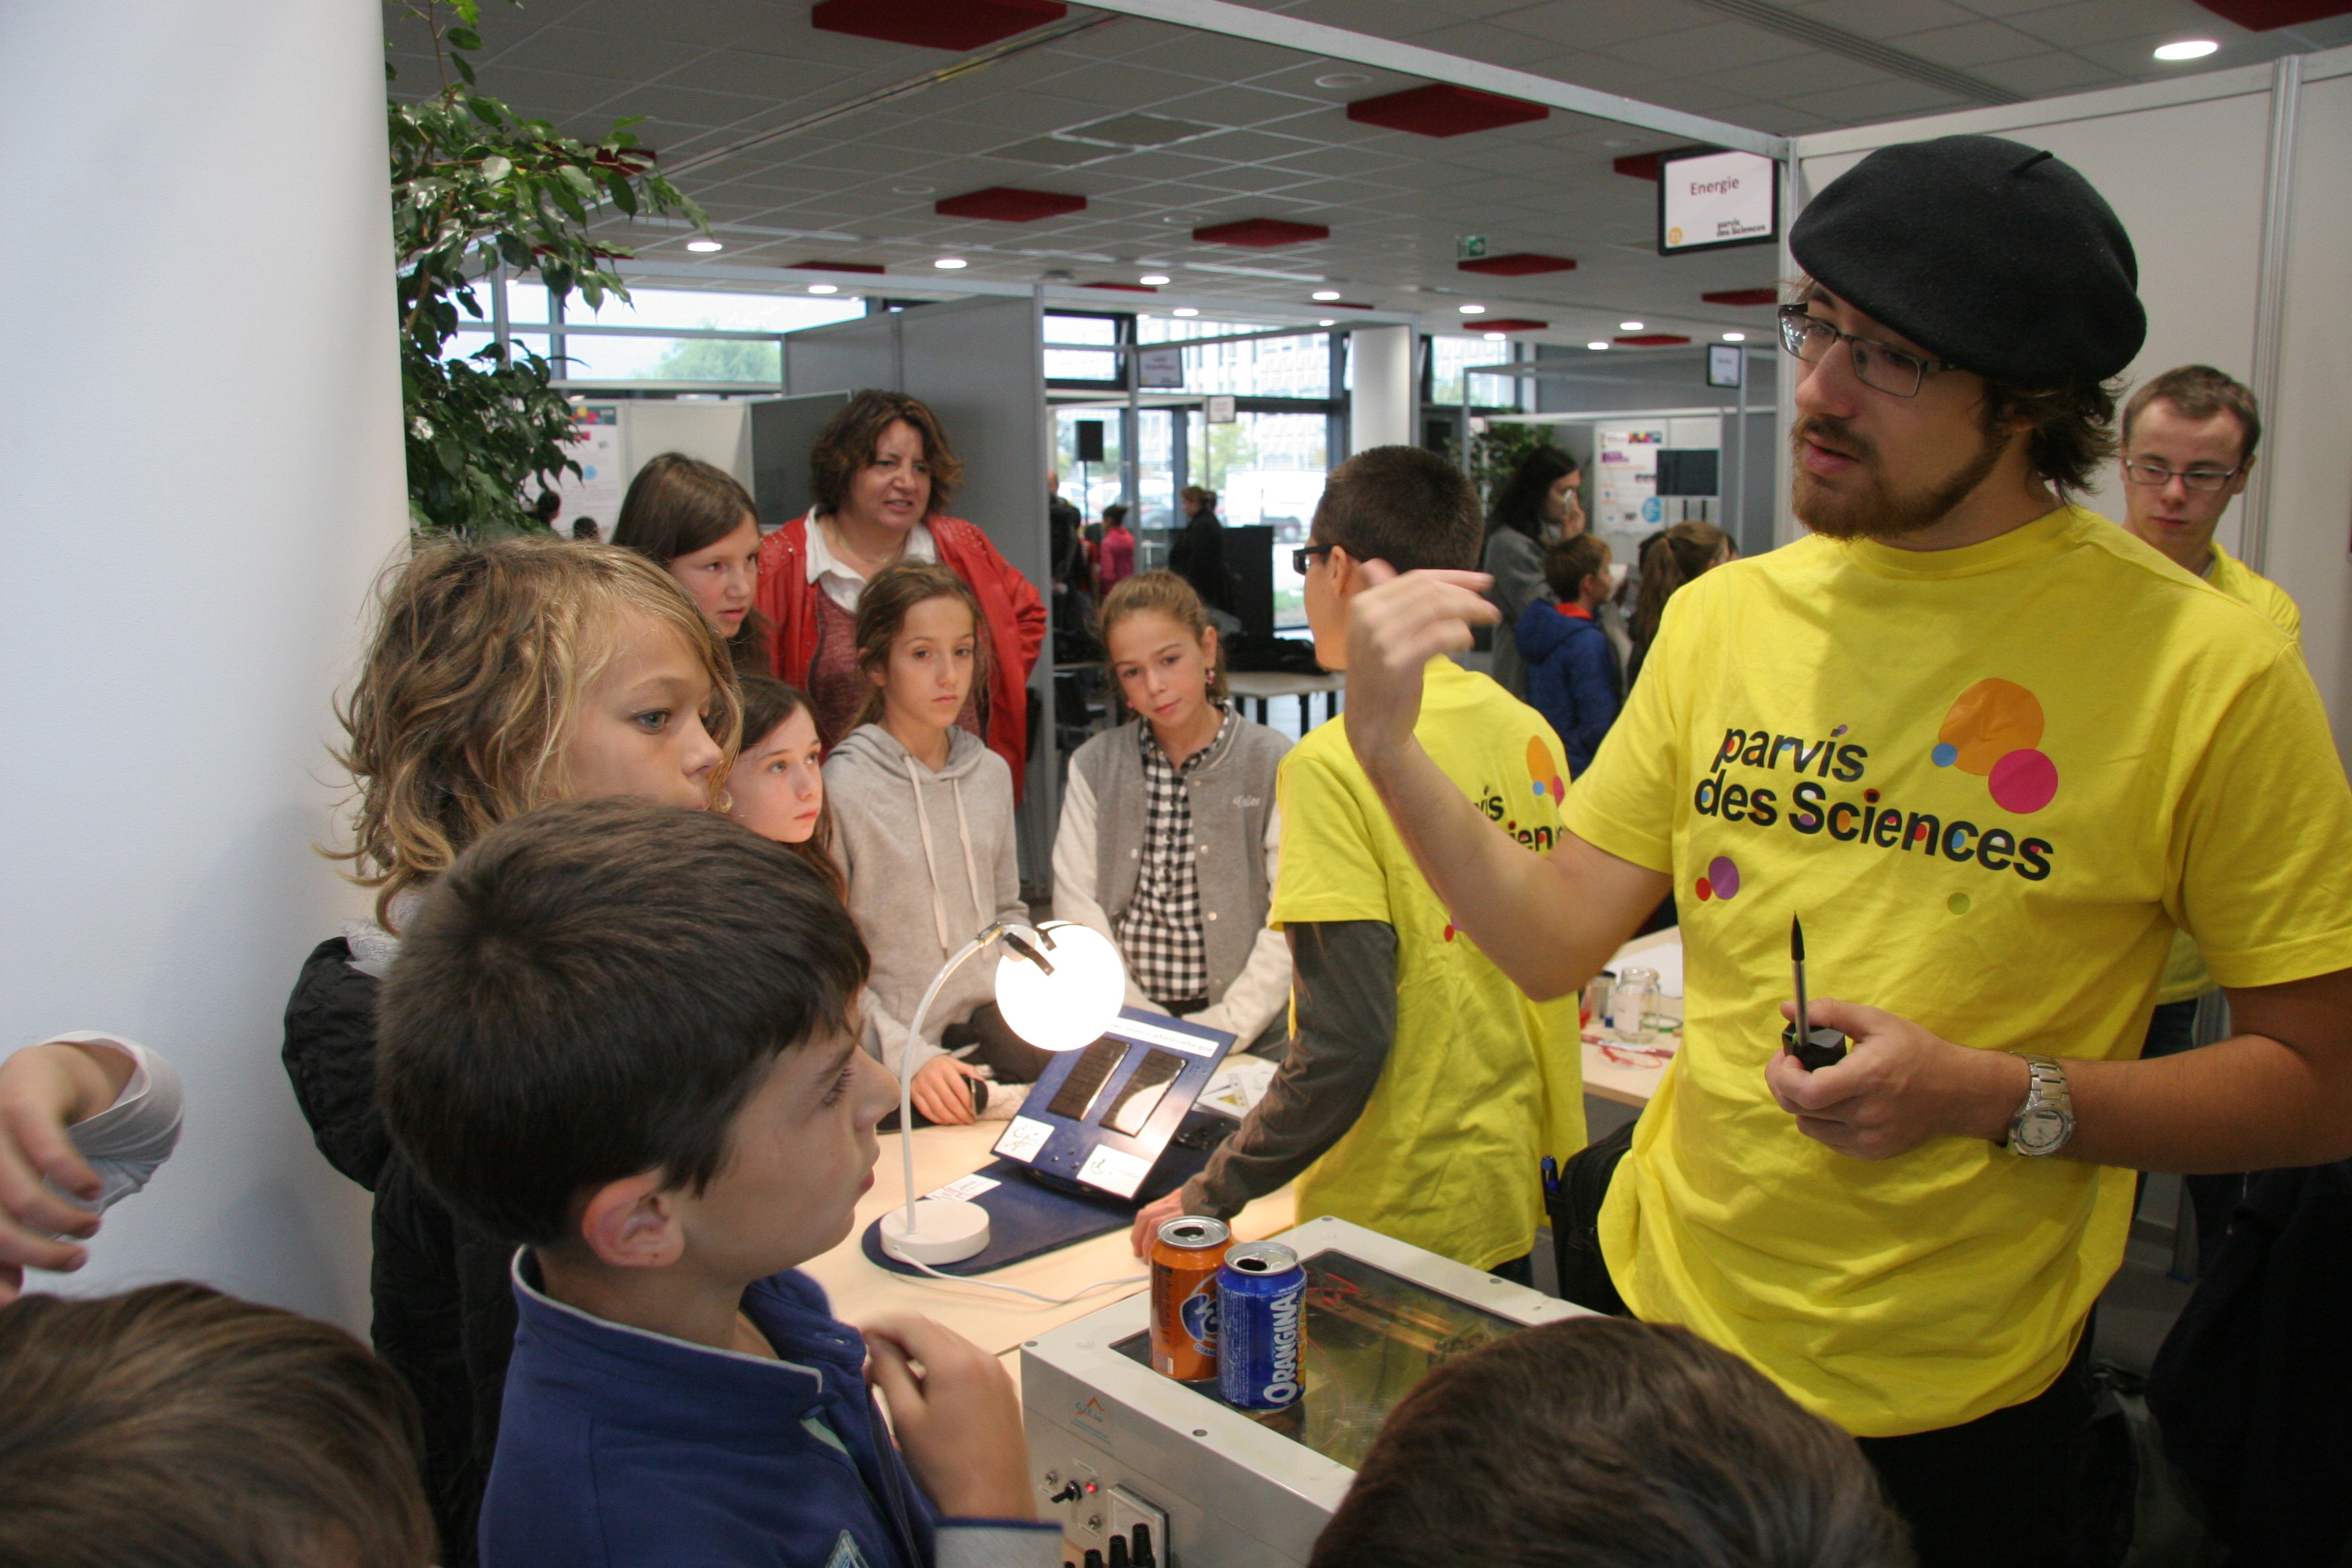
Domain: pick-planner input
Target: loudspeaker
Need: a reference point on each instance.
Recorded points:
(1090, 445)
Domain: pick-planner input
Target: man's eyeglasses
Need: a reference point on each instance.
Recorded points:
(2156, 475)
(1892, 370)
(1306, 555)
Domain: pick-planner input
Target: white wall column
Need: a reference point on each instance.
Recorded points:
(1382, 397)
(200, 476)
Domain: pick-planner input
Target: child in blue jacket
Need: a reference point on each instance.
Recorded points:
(624, 1035)
(1572, 675)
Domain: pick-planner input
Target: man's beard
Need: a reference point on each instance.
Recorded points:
(1876, 513)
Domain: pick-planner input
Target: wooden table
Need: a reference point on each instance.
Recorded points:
(996, 1320)
(1263, 687)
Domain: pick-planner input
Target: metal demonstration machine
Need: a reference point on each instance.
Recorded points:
(1114, 1444)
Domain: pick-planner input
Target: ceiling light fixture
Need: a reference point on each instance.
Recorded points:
(1183, 310)
(1596, 347)
(1342, 79)
(950, 263)
(704, 247)
(1628, 326)
(825, 288)
(2186, 49)
(1153, 280)
(1472, 309)
(1493, 337)
(1325, 294)
(1327, 321)
(917, 189)
(1734, 337)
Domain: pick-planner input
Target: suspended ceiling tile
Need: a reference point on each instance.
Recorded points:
(2040, 74)
(1784, 80)
(1598, 24)
(1241, 106)
(1881, 100)
(1092, 89)
(1252, 147)
(1219, 59)
(1883, 18)
(614, 58)
(772, 77)
(1052, 153)
(1718, 45)
(1246, 180)
(2099, 21)
(1382, 18)
(1340, 161)
(1716, 97)
(1606, 73)
(1970, 45)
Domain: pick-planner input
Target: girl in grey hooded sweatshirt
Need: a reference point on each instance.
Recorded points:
(923, 824)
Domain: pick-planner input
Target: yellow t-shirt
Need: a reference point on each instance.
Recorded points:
(1992, 781)
(1481, 1083)
(2185, 974)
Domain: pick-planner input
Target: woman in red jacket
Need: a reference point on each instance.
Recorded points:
(883, 474)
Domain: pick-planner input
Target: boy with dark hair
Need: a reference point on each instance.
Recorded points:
(1421, 1088)
(1572, 675)
(623, 1035)
(1604, 1443)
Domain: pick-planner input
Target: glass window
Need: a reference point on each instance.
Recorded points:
(1091, 487)
(468, 341)
(1267, 367)
(682, 307)
(1447, 357)
(1267, 469)
(1064, 365)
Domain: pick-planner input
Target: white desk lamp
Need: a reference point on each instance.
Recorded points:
(1059, 987)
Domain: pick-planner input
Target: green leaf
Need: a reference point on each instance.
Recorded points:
(468, 11)
(465, 38)
(623, 196)
(496, 167)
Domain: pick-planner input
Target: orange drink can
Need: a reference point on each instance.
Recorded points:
(1185, 1257)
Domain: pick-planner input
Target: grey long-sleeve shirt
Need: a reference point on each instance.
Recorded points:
(1345, 984)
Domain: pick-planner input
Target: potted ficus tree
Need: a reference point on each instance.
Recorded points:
(474, 187)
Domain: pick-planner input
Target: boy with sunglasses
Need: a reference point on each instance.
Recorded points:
(1994, 751)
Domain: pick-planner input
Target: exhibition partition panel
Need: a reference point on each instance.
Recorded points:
(189, 581)
(2236, 190)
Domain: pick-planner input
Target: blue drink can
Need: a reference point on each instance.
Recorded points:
(1261, 1326)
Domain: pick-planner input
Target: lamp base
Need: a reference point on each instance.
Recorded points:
(946, 1230)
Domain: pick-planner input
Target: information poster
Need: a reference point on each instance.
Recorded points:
(595, 492)
(1707, 201)
(1628, 477)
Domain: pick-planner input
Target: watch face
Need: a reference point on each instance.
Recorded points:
(2040, 1130)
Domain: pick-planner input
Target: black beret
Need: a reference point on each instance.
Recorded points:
(1984, 252)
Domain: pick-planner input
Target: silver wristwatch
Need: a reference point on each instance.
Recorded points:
(2046, 1119)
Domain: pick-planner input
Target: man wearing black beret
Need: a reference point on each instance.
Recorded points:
(1992, 750)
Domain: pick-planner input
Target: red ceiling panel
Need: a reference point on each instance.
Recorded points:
(1442, 109)
(1518, 264)
(1261, 233)
(936, 24)
(1510, 324)
(1008, 204)
(2261, 16)
(1126, 288)
(1640, 165)
(839, 266)
(1743, 297)
(1653, 339)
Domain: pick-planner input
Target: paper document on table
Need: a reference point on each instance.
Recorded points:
(1237, 1085)
(966, 1187)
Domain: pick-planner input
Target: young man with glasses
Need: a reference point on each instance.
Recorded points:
(1993, 752)
(2189, 444)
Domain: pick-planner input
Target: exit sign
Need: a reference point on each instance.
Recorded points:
(1469, 246)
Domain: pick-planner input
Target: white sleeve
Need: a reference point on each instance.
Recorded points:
(1262, 989)
(1074, 874)
(886, 1037)
(997, 1544)
(130, 1140)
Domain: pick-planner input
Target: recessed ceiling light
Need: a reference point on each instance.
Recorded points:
(1325, 294)
(1342, 79)
(1327, 321)
(2186, 49)
(1472, 309)
(825, 288)
(704, 246)
(1153, 278)
(1493, 337)
(1596, 346)
(1734, 337)
(950, 263)
(1628, 326)
(1183, 310)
